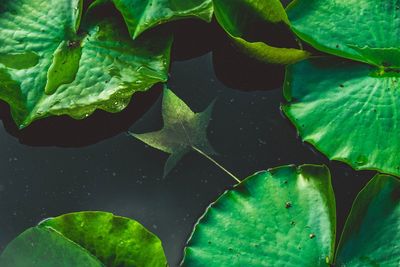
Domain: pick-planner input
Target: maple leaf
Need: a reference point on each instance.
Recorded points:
(183, 131)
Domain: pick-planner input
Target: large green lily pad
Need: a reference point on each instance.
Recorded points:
(85, 239)
(241, 19)
(50, 64)
(363, 30)
(347, 110)
(141, 15)
(281, 217)
(286, 217)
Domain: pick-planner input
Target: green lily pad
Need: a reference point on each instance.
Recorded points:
(50, 64)
(239, 19)
(347, 110)
(286, 217)
(44, 247)
(363, 30)
(141, 15)
(85, 239)
(280, 217)
(371, 236)
(183, 131)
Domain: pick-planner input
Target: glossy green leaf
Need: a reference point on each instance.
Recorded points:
(141, 15)
(371, 236)
(281, 217)
(183, 131)
(363, 30)
(240, 19)
(44, 247)
(52, 69)
(85, 239)
(114, 240)
(286, 217)
(347, 110)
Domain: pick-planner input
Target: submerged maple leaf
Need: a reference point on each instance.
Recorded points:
(183, 131)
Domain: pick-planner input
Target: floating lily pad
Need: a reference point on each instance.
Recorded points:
(286, 217)
(363, 30)
(347, 110)
(141, 15)
(281, 217)
(242, 19)
(85, 239)
(52, 64)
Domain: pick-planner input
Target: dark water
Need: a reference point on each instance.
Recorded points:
(59, 166)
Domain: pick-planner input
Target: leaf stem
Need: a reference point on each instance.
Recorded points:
(216, 163)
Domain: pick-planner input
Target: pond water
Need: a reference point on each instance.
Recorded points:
(59, 165)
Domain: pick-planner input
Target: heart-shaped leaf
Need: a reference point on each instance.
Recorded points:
(364, 30)
(241, 19)
(347, 110)
(281, 217)
(141, 15)
(49, 67)
(85, 239)
(286, 217)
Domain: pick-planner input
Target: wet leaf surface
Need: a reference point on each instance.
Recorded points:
(363, 30)
(347, 111)
(283, 216)
(286, 217)
(85, 239)
(72, 68)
